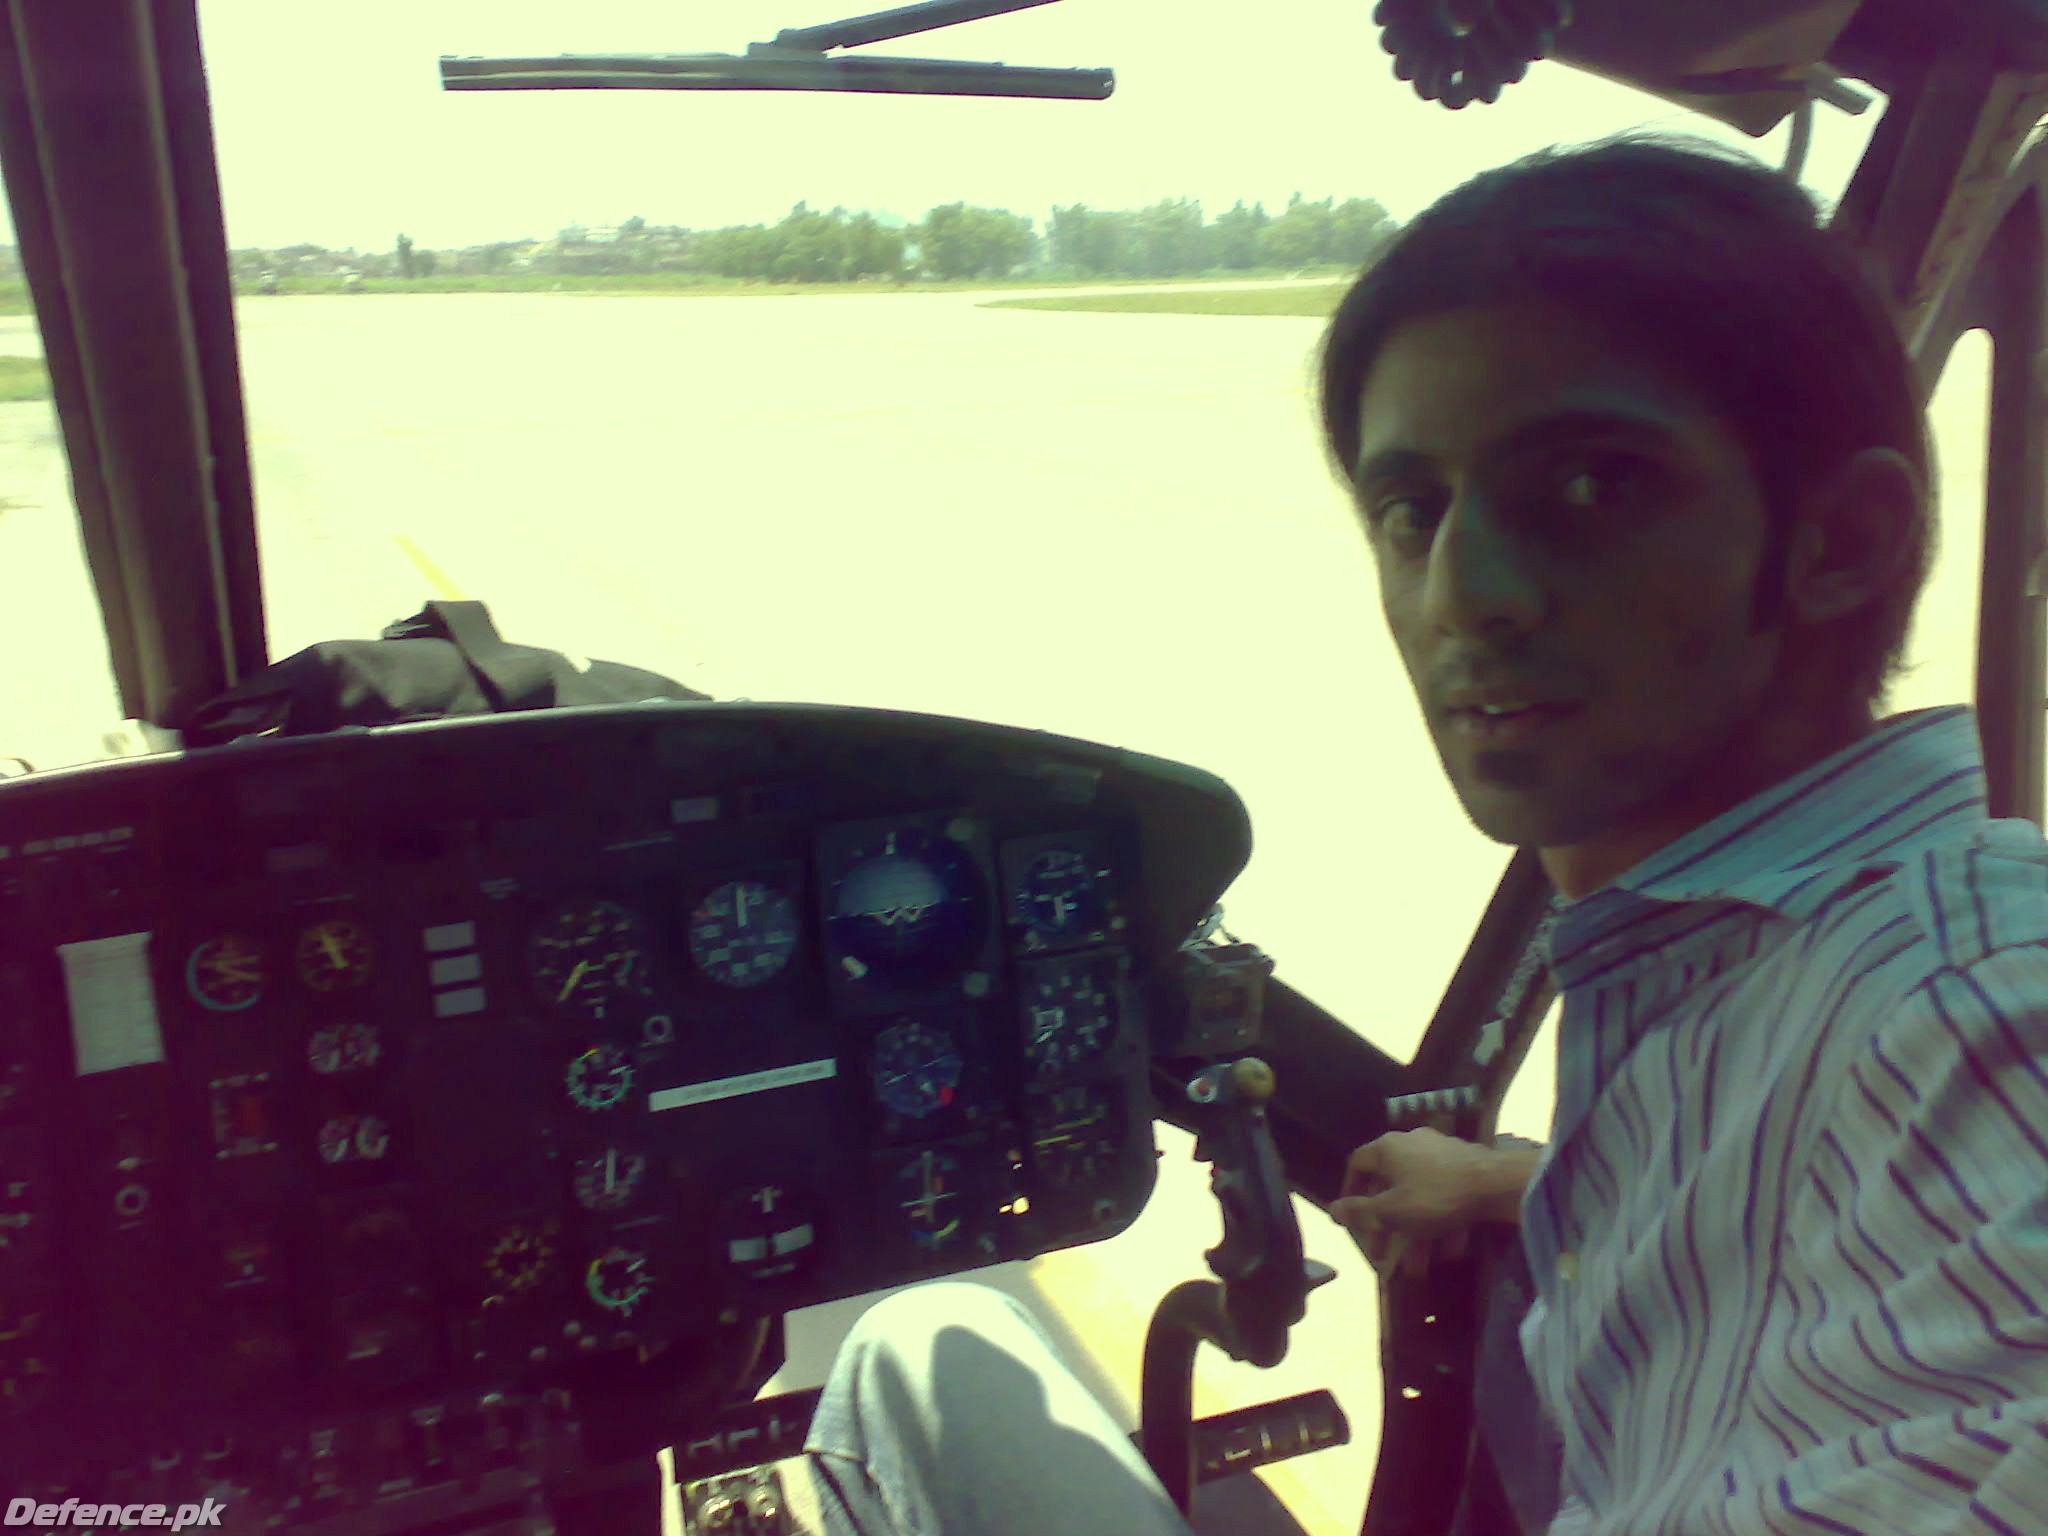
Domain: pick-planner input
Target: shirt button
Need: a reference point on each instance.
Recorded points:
(1568, 1267)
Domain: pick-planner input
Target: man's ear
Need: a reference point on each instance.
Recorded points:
(1852, 537)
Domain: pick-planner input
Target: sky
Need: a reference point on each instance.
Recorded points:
(332, 126)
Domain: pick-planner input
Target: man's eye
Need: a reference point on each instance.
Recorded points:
(1401, 514)
(1597, 482)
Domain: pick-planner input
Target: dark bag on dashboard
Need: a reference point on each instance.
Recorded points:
(445, 660)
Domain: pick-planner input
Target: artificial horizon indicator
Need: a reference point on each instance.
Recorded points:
(908, 904)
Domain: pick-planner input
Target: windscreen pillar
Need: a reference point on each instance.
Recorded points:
(105, 141)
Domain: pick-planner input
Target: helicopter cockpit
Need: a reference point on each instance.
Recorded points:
(417, 1128)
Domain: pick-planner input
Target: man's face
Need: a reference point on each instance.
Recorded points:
(1563, 532)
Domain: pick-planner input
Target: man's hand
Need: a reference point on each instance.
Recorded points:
(1413, 1196)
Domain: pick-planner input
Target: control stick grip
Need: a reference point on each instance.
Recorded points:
(1259, 1260)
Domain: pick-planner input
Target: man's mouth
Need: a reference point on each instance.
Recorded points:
(1508, 725)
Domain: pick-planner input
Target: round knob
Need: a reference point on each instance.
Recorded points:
(1254, 1079)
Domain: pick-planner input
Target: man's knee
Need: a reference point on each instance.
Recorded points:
(909, 1322)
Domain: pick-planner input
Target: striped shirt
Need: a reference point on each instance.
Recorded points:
(1790, 1234)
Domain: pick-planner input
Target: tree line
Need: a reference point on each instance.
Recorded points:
(1172, 237)
(957, 241)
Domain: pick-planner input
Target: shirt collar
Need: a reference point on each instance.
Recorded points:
(1915, 780)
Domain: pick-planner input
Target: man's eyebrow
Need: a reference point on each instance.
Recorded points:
(1559, 426)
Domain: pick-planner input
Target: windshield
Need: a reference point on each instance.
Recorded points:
(717, 384)
(501, 362)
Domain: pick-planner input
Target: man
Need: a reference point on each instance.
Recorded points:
(1641, 465)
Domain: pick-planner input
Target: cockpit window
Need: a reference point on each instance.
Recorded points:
(518, 346)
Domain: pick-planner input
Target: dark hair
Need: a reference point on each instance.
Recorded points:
(1715, 266)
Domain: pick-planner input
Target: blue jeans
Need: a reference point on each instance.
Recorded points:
(949, 1413)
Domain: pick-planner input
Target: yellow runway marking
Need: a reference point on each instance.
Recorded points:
(436, 577)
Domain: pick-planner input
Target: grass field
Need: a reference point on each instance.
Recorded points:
(1318, 301)
(23, 378)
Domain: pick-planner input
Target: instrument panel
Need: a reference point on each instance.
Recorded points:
(410, 1070)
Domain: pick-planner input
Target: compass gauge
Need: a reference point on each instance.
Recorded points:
(918, 1068)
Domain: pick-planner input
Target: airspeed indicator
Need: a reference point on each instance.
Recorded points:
(743, 933)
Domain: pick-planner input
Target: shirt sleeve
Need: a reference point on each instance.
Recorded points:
(1902, 1387)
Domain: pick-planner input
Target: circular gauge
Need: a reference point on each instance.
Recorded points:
(619, 1279)
(1070, 1011)
(225, 974)
(518, 1259)
(743, 933)
(601, 1077)
(607, 1180)
(1076, 1135)
(909, 903)
(354, 1139)
(917, 1068)
(1057, 899)
(586, 956)
(930, 1191)
(340, 1049)
(333, 956)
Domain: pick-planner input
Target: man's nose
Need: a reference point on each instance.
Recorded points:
(1482, 576)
